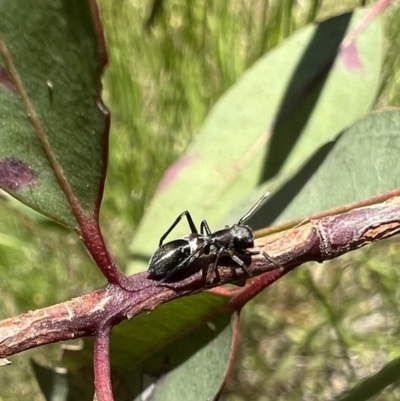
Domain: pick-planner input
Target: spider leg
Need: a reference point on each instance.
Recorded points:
(214, 269)
(217, 256)
(176, 222)
(242, 264)
(204, 228)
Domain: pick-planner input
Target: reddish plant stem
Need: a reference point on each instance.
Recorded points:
(373, 200)
(317, 240)
(94, 242)
(101, 364)
(255, 285)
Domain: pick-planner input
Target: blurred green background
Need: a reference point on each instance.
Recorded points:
(312, 335)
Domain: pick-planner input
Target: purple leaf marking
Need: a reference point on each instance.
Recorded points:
(15, 174)
(6, 81)
(351, 57)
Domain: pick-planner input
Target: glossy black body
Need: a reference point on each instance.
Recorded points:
(176, 255)
(170, 254)
(237, 237)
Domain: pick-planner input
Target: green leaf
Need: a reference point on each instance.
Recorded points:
(52, 382)
(54, 127)
(202, 373)
(363, 162)
(181, 350)
(294, 90)
(375, 384)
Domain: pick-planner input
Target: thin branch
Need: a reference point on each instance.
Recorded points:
(317, 240)
(101, 361)
(331, 212)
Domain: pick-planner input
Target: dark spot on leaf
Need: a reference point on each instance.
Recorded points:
(6, 81)
(15, 174)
